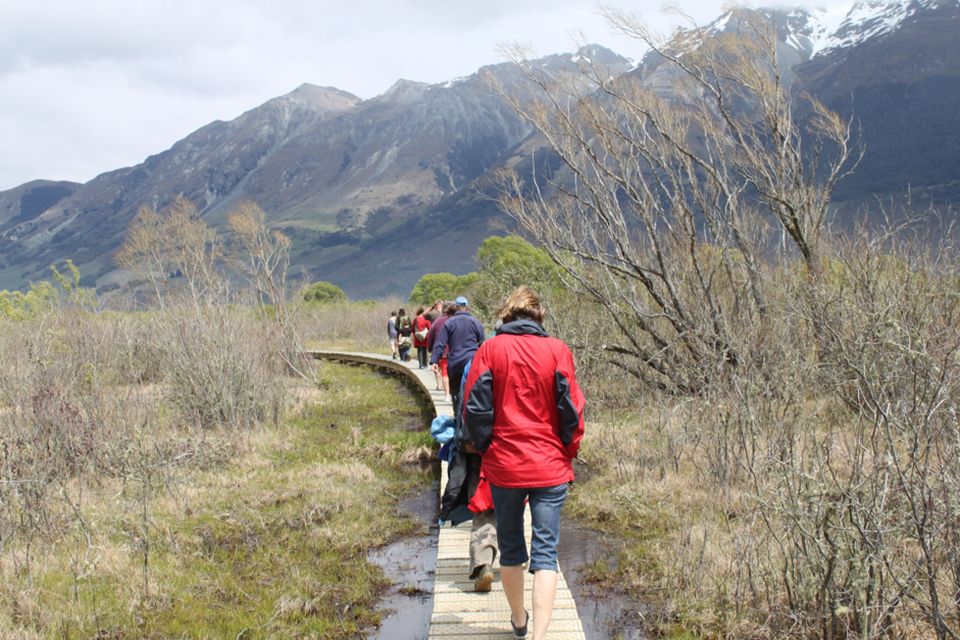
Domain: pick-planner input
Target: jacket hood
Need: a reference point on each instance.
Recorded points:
(523, 326)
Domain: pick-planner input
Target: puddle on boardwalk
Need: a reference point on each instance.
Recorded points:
(410, 563)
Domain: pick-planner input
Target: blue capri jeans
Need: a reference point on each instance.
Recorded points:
(545, 506)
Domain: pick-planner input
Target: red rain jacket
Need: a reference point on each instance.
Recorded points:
(523, 409)
(420, 323)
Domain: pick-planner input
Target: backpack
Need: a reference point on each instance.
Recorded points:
(463, 438)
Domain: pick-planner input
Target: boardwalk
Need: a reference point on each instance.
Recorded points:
(458, 612)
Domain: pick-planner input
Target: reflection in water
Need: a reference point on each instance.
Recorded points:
(603, 614)
(409, 564)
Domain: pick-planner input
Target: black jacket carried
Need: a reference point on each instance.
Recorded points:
(463, 476)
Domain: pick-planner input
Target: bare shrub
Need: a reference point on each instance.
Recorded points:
(357, 326)
(219, 361)
(173, 250)
(893, 312)
(221, 367)
(64, 425)
(86, 397)
(663, 207)
(817, 486)
(262, 256)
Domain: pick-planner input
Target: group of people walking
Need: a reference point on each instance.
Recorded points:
(519, 422)
(420, 332)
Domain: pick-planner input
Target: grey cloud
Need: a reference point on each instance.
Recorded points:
(87, 87)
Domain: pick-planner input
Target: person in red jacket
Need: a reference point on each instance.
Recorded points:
(421, 327)
(523, 411)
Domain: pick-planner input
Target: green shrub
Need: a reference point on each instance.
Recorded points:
(323, 293)
(442, 286)
(16, 305)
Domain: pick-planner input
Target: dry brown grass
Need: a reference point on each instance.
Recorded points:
(160, 493)
(96, 421)
(358, 326)
(810, 492)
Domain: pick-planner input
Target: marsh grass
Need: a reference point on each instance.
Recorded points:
(713, 540)
(348, 326)
(644, 481)
(269, 541)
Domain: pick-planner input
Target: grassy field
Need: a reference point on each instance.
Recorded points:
(269, 541)
(162, 475)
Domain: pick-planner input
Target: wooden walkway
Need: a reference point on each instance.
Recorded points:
(458, 611)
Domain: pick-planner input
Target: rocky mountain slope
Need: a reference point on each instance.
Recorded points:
(896, 69)
(337, 174)
(26, 202)
(374, 193)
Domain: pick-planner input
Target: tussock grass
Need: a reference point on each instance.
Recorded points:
(702, 544)
(267, 540)
(807, 488)
(644, 482)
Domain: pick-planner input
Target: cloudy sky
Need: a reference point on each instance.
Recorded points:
(88, 86)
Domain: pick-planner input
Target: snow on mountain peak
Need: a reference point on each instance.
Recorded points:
(403, 91)
(815, 31)
(865, 20)
(847, 25)
(820, 25)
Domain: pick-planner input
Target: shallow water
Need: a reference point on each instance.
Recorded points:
(409, 564)
(604, 614)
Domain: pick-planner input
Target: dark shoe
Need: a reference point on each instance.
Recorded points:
(484, 581)
(520, 632)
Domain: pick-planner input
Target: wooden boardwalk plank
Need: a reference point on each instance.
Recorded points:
(459, 612)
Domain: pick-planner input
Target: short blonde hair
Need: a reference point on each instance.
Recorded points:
(522, 303)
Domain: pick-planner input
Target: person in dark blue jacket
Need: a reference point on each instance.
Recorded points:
(462, 335)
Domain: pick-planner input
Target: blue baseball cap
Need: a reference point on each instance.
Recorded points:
(461, 301)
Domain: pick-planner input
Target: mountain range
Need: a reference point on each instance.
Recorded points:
(375, 193)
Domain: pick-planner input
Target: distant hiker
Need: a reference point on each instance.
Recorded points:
(523, 411)
(440, 370)
(421, 327)
(461, 334)
(432, 314)
(392, 334)
(404, 333)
